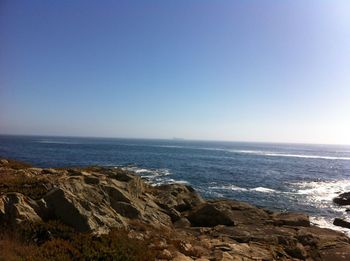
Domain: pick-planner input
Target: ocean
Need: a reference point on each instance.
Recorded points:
(284, 177)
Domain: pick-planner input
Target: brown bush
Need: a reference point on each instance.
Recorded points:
(114, 246)
(14, 164)
(55, 249)
(13, 250)
(39, 233)
(34, 187)
(54, 241)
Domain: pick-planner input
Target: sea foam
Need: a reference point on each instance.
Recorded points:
(274, 154)
(155, 177)
(236, 188)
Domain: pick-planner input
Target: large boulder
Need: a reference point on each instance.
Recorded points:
(16, 208)
(177, 196)
(343, 199)
(82, 214)
(86, 202)
(174, 199)
(210, 215)
(226, 212)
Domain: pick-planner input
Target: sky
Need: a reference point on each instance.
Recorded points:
(267, 71)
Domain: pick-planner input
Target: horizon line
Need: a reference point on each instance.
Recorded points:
(175, 139)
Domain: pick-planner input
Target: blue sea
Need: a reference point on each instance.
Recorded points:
(285, 177)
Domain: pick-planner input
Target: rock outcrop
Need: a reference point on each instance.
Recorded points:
(188, 227)
(343, 199)
(16, 208)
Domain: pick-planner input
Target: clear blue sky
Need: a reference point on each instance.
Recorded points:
(220, 70)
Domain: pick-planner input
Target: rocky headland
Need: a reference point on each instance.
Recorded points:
(97, 213)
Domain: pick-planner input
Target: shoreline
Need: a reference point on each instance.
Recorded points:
(99, 201)
(317, 220)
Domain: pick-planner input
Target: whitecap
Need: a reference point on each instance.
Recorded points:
(276, 154)
(159, 182)
(263, 190)
(155, 177)
(321, 190)
(327, 223)
(236, 188)
(228, 187)
(320, 194)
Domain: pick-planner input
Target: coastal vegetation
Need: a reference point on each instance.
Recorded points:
(55, 241)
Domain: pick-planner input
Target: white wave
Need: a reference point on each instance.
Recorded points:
(264, 190)
(136, 169)
(321, 191)
(307, 156)
(147, 172)
(155, 177)
(327, 223)
(273, 154)
(168, 181)
(320, 194)
(236, 188)
(228, 187)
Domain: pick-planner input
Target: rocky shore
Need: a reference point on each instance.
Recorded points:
(172, 221)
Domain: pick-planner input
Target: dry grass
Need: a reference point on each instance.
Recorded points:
(34, 187)
(13, 250)
(55, 241)
(14, 164)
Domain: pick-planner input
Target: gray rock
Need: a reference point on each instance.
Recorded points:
(177, 196)
(291, 219)
(210, 215)
(16, 208)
